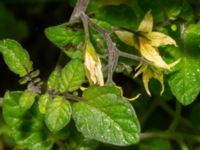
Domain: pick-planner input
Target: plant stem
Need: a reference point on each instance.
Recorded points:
(176, 117)
(81, 6)
(111, 48)
(147, 113)
(172, 113)
(57, 141)
(85, 26)
(72, 97)
(1, 102)
(173, 136)
(113, 51)
(131, 56)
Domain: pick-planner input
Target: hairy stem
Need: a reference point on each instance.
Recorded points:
(131, 56)
(81, 6)
(72, 97)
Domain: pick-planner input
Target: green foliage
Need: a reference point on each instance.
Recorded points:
(102, 114)
(78, 142)
(117, 15)
(72, 76)
(53, 81)
(62, 35)
(27, 127)
(43, 102)
(26, 100)
(81, 104)
(185, 83)
(16, 57)
(58, 114)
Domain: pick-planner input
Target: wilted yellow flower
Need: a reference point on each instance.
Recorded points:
(93, 65)
(147, 41)
(149, 72)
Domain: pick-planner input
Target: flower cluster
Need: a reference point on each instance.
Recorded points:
(148, 42)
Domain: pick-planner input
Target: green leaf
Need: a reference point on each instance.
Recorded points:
(62, 35)
(43, 101)
(117, 15)
(27, 99)
(185, 81)
(74, 54)
(105, 116)
(16, 57)
(33, 140)
(11, 109)
(162, 9)
(54, 80)
(58, 114)
(27, 127)
(72, 76)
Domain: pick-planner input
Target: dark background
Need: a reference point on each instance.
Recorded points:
(25, 22)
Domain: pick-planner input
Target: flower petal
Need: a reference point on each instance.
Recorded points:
(147, 23)
(126, 37)
(157, 39)
(93, 65)
(151, 54)
(142, 67)
(159, 76)
(147, 75)
(175, 63)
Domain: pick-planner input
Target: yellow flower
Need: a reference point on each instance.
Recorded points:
(147, 41)
(149, 72)
(93, 65)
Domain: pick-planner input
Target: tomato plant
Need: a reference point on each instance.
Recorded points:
(82, 107)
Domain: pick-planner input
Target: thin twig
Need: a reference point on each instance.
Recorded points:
(131, 56)
(72, 97)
